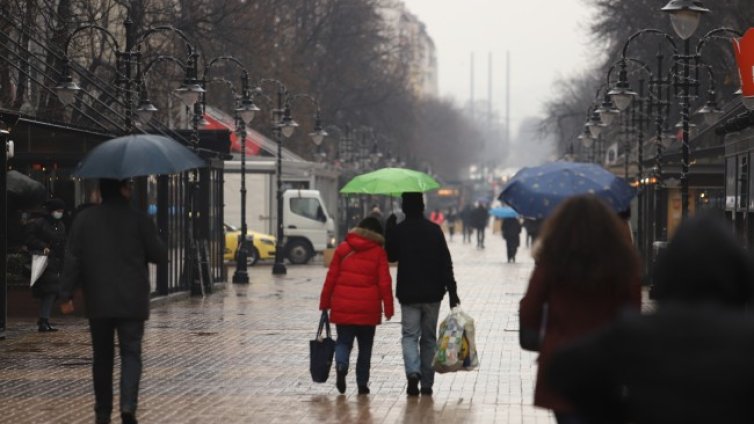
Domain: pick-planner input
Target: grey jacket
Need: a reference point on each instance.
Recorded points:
(108, 249)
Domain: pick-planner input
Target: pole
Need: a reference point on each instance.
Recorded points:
(279, 267)
(685, 87)
(130, 41)
(241, 274)
(640, 173)
(3, 232)
(659, 122)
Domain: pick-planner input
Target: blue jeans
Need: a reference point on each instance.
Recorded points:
(364, 335)
(130, 334)
(419, 341)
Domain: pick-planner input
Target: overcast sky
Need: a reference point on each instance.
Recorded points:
(543, 46)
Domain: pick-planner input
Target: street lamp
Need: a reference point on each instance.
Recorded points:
(245, 111)
(283, 125)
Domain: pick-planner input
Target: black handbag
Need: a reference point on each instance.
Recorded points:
(321, 351)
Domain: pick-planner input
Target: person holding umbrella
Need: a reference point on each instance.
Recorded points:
(425, 273)
(107, 254)
(46, 236)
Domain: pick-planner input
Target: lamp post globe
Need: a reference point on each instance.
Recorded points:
(67, 91)
(685, 16)
(189, 93)
(145, 111)
(622, 96)
(608, 112)
(710, 112)
(247, 110)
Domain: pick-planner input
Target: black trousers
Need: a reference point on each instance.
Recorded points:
(130, 335)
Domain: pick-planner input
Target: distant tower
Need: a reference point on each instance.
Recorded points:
(508, 98)
(489, 90)
(471, 88)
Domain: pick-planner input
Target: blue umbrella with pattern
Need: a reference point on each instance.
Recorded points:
(534, 192)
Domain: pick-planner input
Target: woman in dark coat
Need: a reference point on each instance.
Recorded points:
(586, 274)
(46, 235)
(512, 236)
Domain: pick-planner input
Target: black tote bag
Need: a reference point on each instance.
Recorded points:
(321, 351)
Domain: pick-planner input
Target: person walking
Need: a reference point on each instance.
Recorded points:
(451, 217)
(532, 230)
(46, 236)
(107, 253)
(425, 273)
(586, 274)
(357, 290)
(512, 235)
(467, 229)
(479, 220)
(689, 361)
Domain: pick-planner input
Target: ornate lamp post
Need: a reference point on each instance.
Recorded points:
(245, 112)
(283, 125)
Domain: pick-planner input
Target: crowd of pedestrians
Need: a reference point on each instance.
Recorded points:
(600, 359)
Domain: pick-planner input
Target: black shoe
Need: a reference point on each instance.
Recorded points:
(413, 385)
(44, 326)
(426, 391)
(340, 383)
(363, 390)
(128, 418)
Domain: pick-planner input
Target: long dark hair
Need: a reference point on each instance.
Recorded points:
(584, 246)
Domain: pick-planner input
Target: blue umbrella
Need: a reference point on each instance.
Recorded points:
(534, 192)
(503, 212)
(137, 155)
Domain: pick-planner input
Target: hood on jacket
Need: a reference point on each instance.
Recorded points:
(362, 239)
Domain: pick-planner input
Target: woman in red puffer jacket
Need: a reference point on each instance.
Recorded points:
(357, 286)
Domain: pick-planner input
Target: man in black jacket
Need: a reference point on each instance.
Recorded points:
(107, 253)
(425, 273)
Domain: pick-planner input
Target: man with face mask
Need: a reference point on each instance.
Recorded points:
(107, 254)
(45, 235)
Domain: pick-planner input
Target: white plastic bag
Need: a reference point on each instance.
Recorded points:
(38, 266)
(456, 346)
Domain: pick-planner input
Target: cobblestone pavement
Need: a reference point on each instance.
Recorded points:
(241, 356)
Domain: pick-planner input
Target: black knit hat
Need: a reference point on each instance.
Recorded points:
(54, 204)
(372, 224)
(412, 203)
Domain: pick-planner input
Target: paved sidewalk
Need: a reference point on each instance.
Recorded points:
(241, 356)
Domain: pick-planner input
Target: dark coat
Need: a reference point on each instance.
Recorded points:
(571, 314)
(480, 217)
(45, 232)
(108, 250)
(683, 364)
(511, 229)
(358, 281)
(425, 269)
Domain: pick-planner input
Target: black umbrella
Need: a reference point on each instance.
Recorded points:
(137, 155)
(23, 191)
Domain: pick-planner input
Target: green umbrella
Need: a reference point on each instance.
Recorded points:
(390, 181)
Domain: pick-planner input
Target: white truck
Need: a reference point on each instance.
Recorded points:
(307, 226)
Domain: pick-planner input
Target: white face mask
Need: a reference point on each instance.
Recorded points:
(57, 214)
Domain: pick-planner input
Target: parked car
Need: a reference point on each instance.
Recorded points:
(259, 245)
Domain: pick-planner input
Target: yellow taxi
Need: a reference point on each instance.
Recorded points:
(262, 245)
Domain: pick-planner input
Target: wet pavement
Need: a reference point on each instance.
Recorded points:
(241, 356)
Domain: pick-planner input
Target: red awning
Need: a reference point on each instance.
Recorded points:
(223, 122)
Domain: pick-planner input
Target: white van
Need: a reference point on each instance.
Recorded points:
(307, 226)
